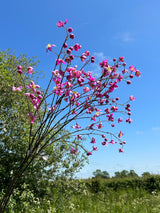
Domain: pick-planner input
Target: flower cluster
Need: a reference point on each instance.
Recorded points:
(83, 95)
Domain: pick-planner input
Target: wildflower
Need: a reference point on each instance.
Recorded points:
(30, 70)
(33, 86)
(70, 29)
(95, 148)
(73, 151)
(137, 73)
(120, 134)
(132, 98)
(89, 153)
(49, 47)
(132, 68)
(120, 120)
(86, 89)
(60, 23)
(99, 126)
(79, 137)
(121, 150)
(93, 140)
(60, 61)
(76, 126)
(20, 69)
(31, 118)
(17, 88)
(121, 59)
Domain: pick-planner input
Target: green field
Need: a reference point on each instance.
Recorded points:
(125, 195)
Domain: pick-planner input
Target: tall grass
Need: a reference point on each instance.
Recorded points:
(77, 197)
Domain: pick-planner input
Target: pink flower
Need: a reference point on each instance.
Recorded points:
(73, 151)
(103, 143)
(30, 70)
(31, 117)
(33, 86)
(93, 140)
(95, 148)
(137, 73)
(99, 126)
(17, 88)
(86, 89)
(121, 59)
(49, 47)
(132, 68)
(51, 109)
(91, 126)
(89, 153)
(112, 142)
(76, 126)
(121, 150)
(132, 98)
(129, 120)
(60, 61)
(120, 120)
(79, 137)
(20, 69)
(77, 47)
(120, 134)
(60, 23)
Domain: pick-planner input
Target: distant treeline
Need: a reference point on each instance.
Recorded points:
(123, 174)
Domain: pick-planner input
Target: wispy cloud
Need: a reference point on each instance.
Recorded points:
(124, 37)
(99, 56)
(156, 129)
(139, 132)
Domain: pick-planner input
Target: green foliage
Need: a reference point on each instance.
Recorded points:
(75, 196)
(99, 174)
(55, 160)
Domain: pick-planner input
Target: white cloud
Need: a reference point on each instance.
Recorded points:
(156, 129)
(124, 37)
(99, 57)
(139, 132)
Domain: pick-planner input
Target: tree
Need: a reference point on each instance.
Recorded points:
(132, 173)
(146, 174)
(122, 174)
(99, 174)
(55, 160)
(75, 99)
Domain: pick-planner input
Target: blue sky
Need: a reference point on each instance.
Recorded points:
(108, 29)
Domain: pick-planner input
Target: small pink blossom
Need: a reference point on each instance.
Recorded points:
(49, 47)
(93, 140)
(31, 117)
(20, 69)
(99, 126)
(30, 70)
(89, 153)
(73, 151)
(86, 89)
(95, 148)
(60, 61)
(132, 68)
(120, 134)
(61, 24)
(120, 120)
(33, 86)
(79, 137)
(76, 126)
(132, 98)
(17, 88)
(137, 73)
(51, 109)
(90, 126)
(121, 59)
(121, 150)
